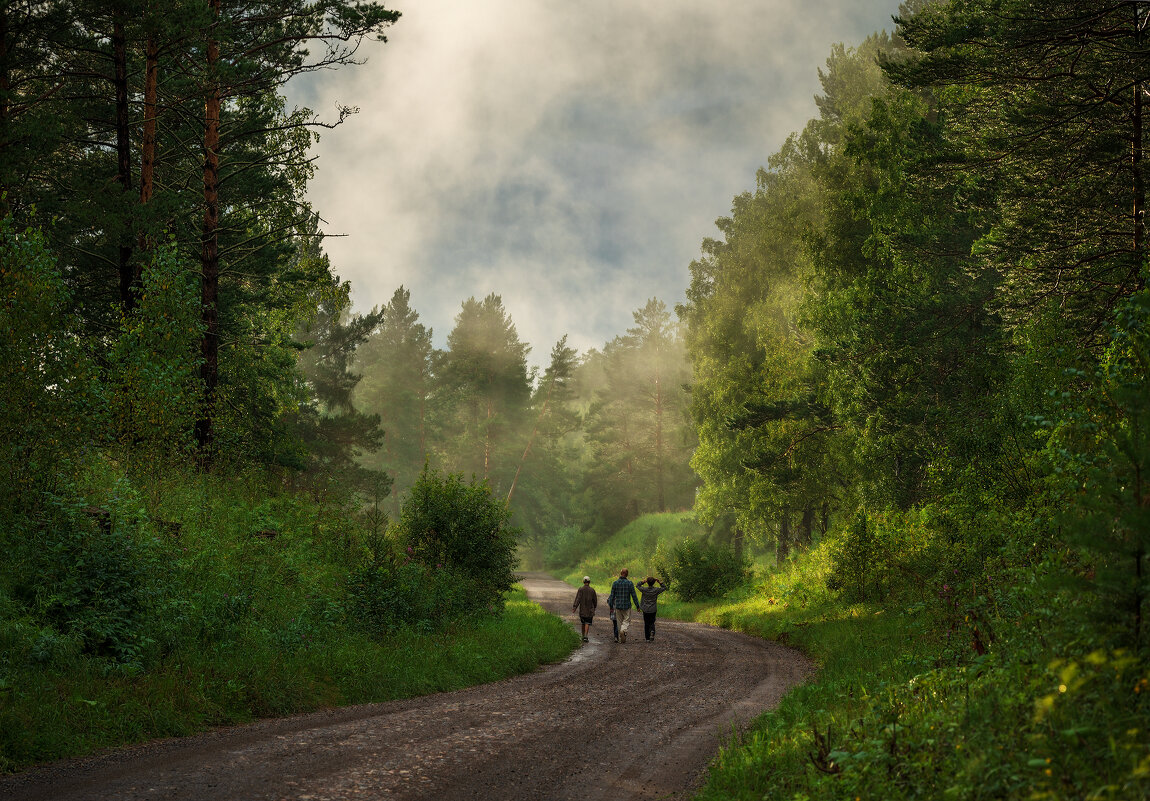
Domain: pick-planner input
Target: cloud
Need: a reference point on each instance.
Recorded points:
(570, 157)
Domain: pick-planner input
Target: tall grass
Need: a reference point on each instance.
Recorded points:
(641, 546)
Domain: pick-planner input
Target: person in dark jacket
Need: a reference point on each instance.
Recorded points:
(585, 602)
(648, 605)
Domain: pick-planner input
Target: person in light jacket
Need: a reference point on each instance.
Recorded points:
(585, 602)
(648, 605)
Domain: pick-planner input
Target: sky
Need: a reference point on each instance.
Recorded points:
(570, 157)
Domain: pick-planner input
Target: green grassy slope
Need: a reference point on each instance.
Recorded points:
(641, 547)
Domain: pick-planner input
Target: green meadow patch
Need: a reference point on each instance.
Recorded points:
(904, 707)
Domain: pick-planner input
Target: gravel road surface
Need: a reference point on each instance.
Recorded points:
(637, 720)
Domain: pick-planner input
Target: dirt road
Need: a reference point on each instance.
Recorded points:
(613, 722)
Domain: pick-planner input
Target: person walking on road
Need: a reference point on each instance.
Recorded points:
(622, 593)
(648, 605)
(585, 602)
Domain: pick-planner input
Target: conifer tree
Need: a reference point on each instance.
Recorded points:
(396, 363)
(484, 391)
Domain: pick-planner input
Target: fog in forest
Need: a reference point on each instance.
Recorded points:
(569, 158)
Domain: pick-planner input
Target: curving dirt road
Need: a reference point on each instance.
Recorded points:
(613, 721)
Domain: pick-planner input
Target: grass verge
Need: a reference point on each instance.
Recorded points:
(904, 707)
(85, 705)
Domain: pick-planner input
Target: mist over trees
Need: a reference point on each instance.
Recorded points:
(592, 443)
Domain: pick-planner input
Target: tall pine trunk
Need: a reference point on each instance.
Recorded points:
(5, 105)
(148, 140)
(783, 549)
(660, 474)
(1139, 210)
(807, 527)
(123, 151)
(210, 251)
(530, 441)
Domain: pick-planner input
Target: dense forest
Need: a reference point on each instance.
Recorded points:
(922, 341)
(932, 308)
(210, 464)
(169, 302)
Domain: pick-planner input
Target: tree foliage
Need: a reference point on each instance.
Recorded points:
(51, 399)
(930, 307)
(460, 526)
(636, 425)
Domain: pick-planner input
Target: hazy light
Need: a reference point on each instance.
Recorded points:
(570, 157)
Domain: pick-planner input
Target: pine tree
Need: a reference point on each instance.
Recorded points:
(396, 364)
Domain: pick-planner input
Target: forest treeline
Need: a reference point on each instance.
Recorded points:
(930, 315)
(924, 336)
(589, 444)
(168, 299)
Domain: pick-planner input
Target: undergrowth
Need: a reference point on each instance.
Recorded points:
(931, 695)
(130, 611)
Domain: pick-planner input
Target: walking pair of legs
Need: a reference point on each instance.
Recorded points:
(648, 625)
(623, 619)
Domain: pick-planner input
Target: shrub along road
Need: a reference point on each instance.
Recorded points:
(613, 721)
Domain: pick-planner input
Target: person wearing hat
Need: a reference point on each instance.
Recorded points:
(585, 603)
(648, 606)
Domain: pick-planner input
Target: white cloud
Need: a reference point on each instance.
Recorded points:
(568, 156)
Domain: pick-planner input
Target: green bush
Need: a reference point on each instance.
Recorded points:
(154, 370)
(568, 546)
(699, 570)
(857, 564)
(461, 526)
(385, 595)
(94, 576)
(51, 402)
(892, 555)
